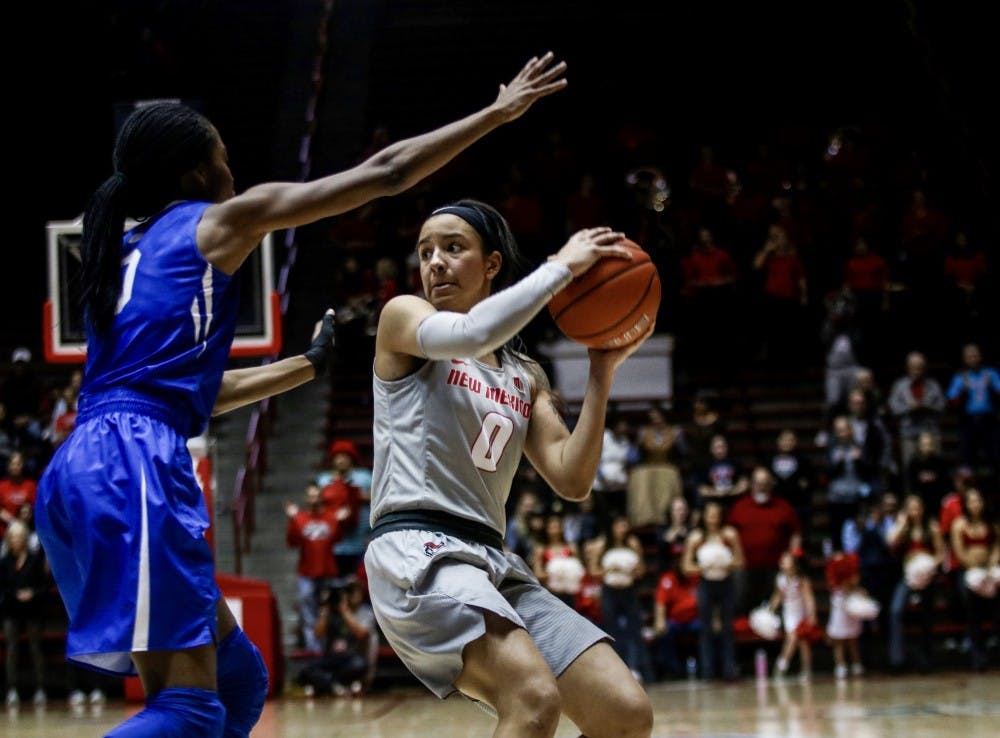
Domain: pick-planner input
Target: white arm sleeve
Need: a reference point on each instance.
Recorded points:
(495, 320)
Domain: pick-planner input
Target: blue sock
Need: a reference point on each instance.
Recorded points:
(242, 680)
(177, 712)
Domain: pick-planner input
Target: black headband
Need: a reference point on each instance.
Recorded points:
(471, 216)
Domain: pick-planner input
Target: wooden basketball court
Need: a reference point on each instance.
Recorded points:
(955, 704)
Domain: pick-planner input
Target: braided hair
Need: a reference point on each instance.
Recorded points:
(157, 144)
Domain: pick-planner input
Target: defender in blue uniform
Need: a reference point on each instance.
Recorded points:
(119, 512)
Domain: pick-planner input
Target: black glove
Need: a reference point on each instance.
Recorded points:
(319, 352)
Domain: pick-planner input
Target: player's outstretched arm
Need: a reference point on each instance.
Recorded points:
(232, 229)
(244, 386)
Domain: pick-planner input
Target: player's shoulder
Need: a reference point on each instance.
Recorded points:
(531, 367)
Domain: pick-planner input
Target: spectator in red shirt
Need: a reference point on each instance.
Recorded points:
(966, 273)
(768, 526)
(923, 229)
(343, 499)
(784, 297)
(15, 490)
(866, 277)
(950, 510)
(313, 530)
(675, 614)
(866, 272)
(965, 265)
(708, 266)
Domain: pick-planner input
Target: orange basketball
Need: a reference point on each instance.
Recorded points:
(612, 303)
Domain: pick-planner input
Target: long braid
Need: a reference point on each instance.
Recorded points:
(100, 252)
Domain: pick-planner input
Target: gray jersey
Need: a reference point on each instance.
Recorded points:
(449, 437)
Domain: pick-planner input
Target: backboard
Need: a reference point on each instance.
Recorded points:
(258, 326)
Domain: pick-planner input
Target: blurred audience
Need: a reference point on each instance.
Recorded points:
(619, 454)
(618, 560)
(768, 527)
(675, 615)
(713, 555)
(724, 479)
(313, 530)
(917, 403)
(975, 546)
(24, 582)
(15, 490)
(914, 537)
(974, 394)
(656, 479)
(557, 563)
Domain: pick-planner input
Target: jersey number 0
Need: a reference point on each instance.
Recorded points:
(491, 441)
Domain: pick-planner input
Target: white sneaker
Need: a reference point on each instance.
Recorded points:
(77, 698)
(805, 677)
(840, 672)
(97, 697)
(12, 698)
(857, 669)
(39, 697)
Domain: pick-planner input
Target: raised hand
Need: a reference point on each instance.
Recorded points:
(612, 358)
(584, 248)
(538, 78)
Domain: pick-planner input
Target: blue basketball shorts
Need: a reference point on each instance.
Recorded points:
(122, 519)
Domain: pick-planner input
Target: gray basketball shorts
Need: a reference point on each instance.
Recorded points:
(429, 591)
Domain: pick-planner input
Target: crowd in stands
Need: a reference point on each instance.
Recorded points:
(676, 496)
(851, 259)
(36, 415)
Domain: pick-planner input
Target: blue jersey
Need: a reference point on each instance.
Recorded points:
(174, 324)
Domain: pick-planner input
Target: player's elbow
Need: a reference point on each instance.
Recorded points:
(575, 490)
(392, 171)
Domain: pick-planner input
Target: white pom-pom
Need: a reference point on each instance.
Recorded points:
(980, 580)
(919, 570)
(765, 623)
(861, 607)
(622, 559)
(714, 558)
(619, 566)
(564, 574)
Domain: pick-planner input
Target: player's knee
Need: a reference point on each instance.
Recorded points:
(242, 679)
(635, 713)
(537, 704)
(176, 712)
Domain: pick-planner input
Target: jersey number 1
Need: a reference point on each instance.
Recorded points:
(130, 263)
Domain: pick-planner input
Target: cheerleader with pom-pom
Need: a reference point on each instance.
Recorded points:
(713, 553)
(850, 606)
(916, 539)
(793, 591)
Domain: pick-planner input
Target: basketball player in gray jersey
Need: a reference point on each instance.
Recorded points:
(455, 409)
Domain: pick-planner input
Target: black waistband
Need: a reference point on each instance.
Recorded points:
(441, 522)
